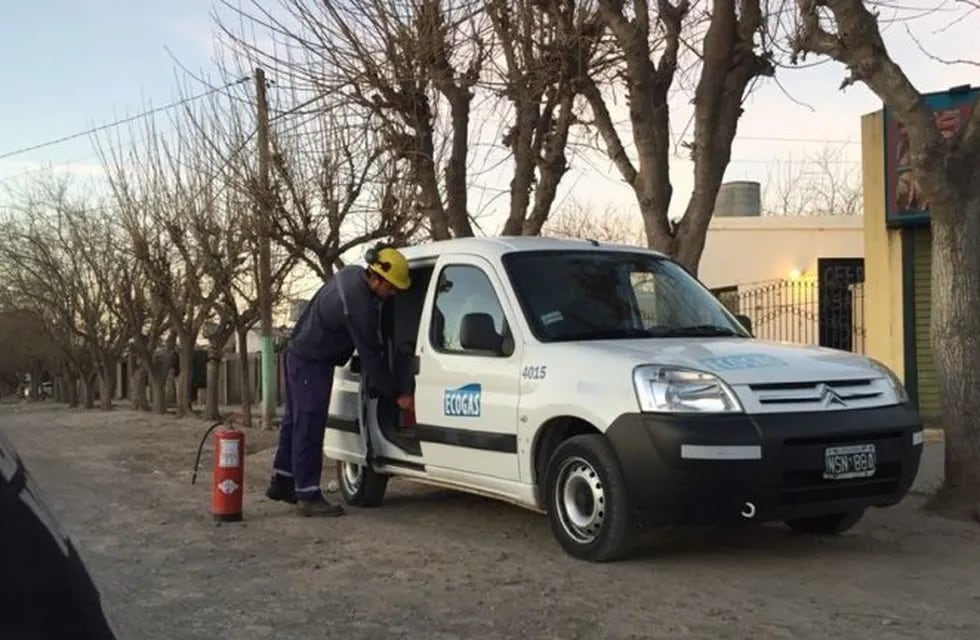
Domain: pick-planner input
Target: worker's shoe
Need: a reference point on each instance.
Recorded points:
(281, 489)
(318, 508)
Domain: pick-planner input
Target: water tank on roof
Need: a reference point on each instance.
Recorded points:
(743, 198)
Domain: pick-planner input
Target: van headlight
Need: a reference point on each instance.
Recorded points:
(900, 393)
(663, 389)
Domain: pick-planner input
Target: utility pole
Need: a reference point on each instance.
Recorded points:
(265, 260)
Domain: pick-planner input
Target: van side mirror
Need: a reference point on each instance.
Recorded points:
(507, 345)
(745, 321)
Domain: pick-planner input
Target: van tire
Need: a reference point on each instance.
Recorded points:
(364, 487)
(587, 502)
(831, 524)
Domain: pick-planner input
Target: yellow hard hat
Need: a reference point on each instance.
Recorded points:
(390, 264)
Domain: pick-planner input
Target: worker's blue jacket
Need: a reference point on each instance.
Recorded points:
(345, 315)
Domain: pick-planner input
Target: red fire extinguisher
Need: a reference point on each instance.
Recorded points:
(228, 476)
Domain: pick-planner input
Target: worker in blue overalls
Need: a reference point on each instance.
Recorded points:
(344, 315)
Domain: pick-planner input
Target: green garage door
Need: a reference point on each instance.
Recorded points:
(928, 389)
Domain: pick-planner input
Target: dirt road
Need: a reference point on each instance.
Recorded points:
(435, 564)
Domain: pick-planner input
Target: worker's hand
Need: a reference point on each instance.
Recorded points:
(405, 402)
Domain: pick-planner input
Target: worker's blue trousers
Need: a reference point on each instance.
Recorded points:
(300, 453)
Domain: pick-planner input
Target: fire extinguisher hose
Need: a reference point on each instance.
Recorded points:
(201, 447)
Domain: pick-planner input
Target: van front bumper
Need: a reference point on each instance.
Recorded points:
(712, 469)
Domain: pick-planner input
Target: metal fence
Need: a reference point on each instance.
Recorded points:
(792, 311)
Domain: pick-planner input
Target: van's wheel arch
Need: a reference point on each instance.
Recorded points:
(586, 499)
(360, 485)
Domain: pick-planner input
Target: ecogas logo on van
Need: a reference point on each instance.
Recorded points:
(463, 402)
(606, 388)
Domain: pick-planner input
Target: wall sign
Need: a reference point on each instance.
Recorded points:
(904, 204)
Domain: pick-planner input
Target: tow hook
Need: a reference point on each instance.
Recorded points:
(748, 511)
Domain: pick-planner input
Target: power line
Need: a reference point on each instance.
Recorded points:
(119, 122)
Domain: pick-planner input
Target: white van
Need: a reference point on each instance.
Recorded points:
(605, 386)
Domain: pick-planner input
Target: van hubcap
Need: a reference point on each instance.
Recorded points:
(580, 500)
(351, 476)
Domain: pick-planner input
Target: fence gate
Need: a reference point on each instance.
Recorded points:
(836, 278)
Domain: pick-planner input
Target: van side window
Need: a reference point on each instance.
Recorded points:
(467, 317)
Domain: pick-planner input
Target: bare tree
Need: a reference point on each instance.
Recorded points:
(722, 40)
(396, 65)
(166, 193)
(946, 167)
(64, 263)
(545, 53)
(91, 240)
(149, 320)
(220, 132)
(607, 224)
(335, 188)
(818, 185)
(237, 309)
(28, 349)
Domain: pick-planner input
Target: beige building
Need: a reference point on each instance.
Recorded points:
(755, 249)
(798, 278)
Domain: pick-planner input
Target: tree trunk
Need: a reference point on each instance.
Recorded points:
(955, 335)
(171, 387)
(138, 389)
(159, 374)
(107, 384)
(158, 391)
(215, 354)
(72, 389)
(524, 162)
(552, 166)
(132, 369)
(425, 175)
(88, 390)
(246, 387)
(456, 184)
(185, 391)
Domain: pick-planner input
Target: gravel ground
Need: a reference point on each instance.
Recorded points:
(438, 564)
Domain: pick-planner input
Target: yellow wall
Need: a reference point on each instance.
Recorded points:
(883, 311)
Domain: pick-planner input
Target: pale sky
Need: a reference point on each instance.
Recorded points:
(68, 66)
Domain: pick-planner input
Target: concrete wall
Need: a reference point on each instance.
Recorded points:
(757, 249)
(883, 305)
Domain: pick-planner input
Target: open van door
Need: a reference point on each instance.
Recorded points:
(346, 437)
(363, 428)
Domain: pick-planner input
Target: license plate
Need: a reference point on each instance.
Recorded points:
(855, 461)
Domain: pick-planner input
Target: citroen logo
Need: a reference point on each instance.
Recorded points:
(828, 396)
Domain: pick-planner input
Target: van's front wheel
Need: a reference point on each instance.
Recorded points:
(588, 506)
(360, 485)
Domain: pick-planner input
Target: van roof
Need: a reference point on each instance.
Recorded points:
(496, 246)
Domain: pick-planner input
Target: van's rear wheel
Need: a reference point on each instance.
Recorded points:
(588, 506)
(360, 485)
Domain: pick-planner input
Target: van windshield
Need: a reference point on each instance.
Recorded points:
(608, 295)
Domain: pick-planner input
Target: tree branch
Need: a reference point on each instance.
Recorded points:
(603, 121)
(858, 45)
